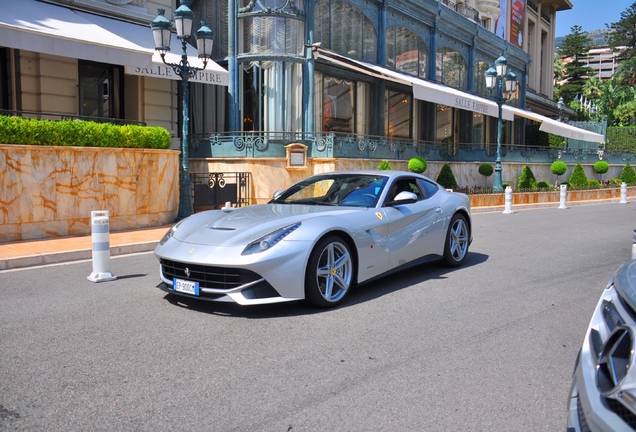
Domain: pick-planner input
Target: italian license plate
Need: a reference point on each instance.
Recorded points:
(184, 286)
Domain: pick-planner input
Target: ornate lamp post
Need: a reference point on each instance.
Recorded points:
(561, 105)
(495, 78)
(161, 31)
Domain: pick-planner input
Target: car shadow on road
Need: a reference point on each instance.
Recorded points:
(367, 292)
(402, 279)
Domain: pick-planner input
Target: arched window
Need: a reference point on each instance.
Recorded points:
(451, 68)
(406, 52)
(272, 27)
(342, 27)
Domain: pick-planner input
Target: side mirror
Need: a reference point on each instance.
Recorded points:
(404, 198)
(278, 193)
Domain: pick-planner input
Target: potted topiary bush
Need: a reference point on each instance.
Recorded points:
(384, 166)
(628, 175)
(526, 179)
(578, 178)
(558, 168)
(601, 167)
(486, 170)
(446, 178)
(417, 165)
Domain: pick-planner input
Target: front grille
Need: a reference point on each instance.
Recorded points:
(582, 421)
(620, 410)
(208, 276)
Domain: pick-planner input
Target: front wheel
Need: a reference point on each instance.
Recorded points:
(457, 239)
(329, 272)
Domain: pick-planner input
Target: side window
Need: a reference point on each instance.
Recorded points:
(428, 189)
(405, 184)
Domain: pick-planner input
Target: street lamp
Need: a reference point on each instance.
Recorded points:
(498, 77)
(161, 31)
(561, 105)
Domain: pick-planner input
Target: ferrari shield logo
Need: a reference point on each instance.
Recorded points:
(191, 251)
(379, 215)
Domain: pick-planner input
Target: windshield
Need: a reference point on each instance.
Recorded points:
(339, 190)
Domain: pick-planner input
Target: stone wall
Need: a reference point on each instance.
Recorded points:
(269, 175)
(51, 191)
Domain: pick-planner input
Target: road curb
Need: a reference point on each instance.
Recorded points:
(75, 255)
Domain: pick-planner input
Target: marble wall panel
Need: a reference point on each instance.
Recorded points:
(51, 191)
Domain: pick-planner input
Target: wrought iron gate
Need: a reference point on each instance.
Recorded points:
(213, 190)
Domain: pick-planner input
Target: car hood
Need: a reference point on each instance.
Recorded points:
(246, 224)
(625, 282)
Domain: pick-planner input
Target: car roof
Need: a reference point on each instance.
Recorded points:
(391, 174)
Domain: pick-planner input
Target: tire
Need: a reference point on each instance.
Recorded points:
(457, 240)
(329, 272)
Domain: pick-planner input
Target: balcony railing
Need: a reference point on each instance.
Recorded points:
(352, 146)
(462, 9)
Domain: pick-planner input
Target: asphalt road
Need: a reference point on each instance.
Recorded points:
(487, 347)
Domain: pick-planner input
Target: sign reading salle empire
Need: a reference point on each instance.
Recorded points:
(166, 72)
(471, 105)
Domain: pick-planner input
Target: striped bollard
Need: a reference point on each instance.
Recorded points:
(508, 206)
(563, 195)
(634, 245)
(623, 193)
(101, 247)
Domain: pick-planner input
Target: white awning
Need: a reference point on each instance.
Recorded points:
(422, 89)
(556, 127)
(56, 30)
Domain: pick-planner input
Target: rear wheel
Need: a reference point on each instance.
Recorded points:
(457, 239)
(329, 272)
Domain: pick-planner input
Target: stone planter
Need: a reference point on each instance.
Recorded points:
(529, 198)
(51, 191)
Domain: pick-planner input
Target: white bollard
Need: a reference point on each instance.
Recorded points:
(634, 246)
(101, 247)
(623, 193)
(508, 207)
(563, 196)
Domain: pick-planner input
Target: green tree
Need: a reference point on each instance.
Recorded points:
(446, 177)
(526, 179)
(575, 46)
(624, 33)
(384, 166)
(417, 165)
(601, 167)
(628, 175)
(578, 178)
(486, 170)
(558, 168)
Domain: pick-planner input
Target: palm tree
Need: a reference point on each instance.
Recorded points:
(592, 89)
(626, 72)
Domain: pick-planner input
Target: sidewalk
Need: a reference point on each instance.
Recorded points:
(62, 249)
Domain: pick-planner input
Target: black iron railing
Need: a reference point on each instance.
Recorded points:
(214, 190)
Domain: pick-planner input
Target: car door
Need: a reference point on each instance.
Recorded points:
(414, 229)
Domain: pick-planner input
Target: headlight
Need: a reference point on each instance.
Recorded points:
(267, 241)
(167, 236)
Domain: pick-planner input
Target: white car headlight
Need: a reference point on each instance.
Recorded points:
(268, 241)
(167, 236)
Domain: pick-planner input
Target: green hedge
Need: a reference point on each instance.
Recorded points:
(620, 139)
(18, 130)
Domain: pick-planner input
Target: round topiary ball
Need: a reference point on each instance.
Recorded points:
(601, 167)
(559, 168)
(417, 165)
(486, 169)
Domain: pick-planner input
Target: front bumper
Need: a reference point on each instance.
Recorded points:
(595, 405)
